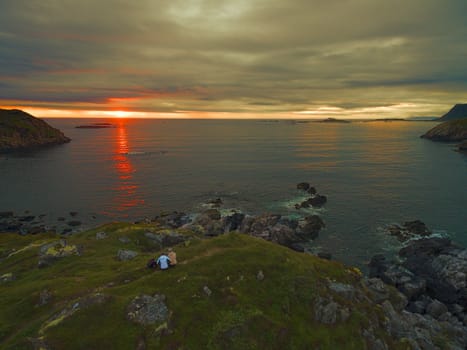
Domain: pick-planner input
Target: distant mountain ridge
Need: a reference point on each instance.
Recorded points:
(20, 130)
(459, 111)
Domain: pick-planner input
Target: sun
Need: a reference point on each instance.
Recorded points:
(118, 114)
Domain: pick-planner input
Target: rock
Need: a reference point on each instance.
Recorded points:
(148, 310)
(212, 214)
(74, 223)
(50, 252)
(426, 247)
(417, 227)
(153, 237)
(345, 290)
(207, 291)
(414, 288)
(418, 307)
(215, 203)
(379, 291)
(27, 218)
(73, 213)
(435, 309)
(233, 222)
(19, 130)
(7, 277)
(172, 220)
(409, 230)
(124, 240)
(317, 201)
(125, 255)
(101, 235)
(310, 227)
(324, 255)
(450, 131)
(260, 275)
(173, 238)
(303, 186)
(326, 311)
(6, 214)
(44, 297)
(312, 191)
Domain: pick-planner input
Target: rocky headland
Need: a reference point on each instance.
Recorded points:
(450, 131)
(20, 130)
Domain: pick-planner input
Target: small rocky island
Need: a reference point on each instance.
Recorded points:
(20, 130)
(96, 126)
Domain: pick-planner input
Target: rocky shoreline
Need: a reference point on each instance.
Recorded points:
(431, 274)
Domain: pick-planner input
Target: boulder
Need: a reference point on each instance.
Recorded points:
(101, 235)
(435, 309)
(172, 220)
(7, 277)
(233, 222)
(148, 310)
(125, 255)
(317, 201)
(303, 186)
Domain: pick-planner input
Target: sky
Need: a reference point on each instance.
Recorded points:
(233, 59)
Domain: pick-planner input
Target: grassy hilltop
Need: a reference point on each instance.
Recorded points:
(19, 129)
(229, 292)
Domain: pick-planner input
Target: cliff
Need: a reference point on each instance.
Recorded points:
(450, 131)
(459, 111)
(19, 130)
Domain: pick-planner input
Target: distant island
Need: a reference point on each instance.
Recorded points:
(459, 111)
(20, 130)
(95, 126)
(333, 120)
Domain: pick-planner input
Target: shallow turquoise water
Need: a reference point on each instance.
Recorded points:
(373, 173)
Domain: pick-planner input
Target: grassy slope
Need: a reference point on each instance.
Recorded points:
(241, 313)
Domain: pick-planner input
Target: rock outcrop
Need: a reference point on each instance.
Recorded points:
(450, 131)
(433, 277)
(459, 111)
(20, 130)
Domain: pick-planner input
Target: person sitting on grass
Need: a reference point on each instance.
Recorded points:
(173, 257)
(163, 261)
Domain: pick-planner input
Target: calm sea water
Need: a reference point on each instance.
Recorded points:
(373, 173)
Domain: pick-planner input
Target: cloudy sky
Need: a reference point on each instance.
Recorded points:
(237, 58)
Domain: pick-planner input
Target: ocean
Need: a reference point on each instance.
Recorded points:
(373, 173)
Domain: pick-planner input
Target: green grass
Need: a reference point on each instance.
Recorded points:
(241, 313)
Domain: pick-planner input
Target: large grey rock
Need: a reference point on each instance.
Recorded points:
(435, 309)
(124, 254)
(148, 310)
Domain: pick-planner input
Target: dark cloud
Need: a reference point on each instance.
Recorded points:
(244, 55)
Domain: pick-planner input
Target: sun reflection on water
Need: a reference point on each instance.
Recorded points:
(127, 195)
